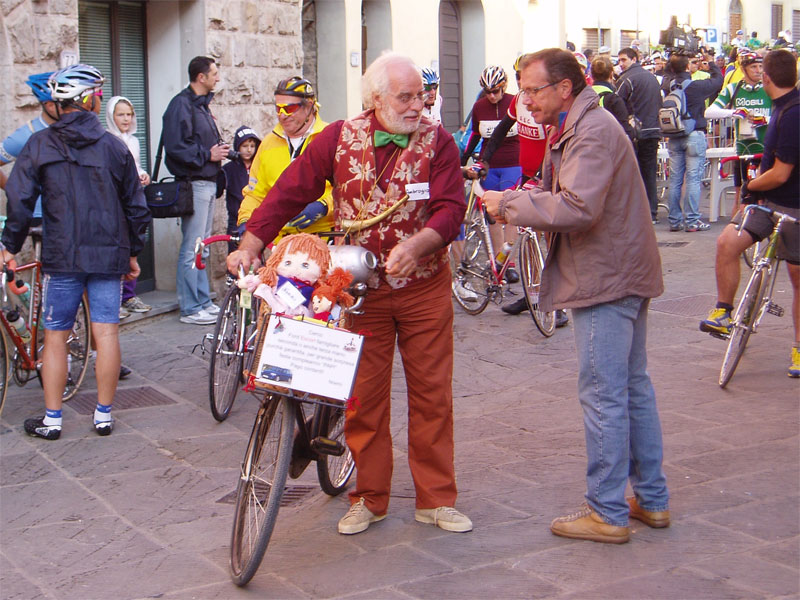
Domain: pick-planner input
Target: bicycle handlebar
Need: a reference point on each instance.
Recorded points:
(727, 159)
(749, 208)
(200, 245)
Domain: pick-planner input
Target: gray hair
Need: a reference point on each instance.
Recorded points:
(375, 81)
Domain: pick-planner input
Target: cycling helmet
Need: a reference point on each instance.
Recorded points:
(38, 83)
(748, 58)
(295, 86)
(430, 77)
(493, 77)
(581, 60)
(75, 81)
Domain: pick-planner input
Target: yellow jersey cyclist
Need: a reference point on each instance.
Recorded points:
(298, 124)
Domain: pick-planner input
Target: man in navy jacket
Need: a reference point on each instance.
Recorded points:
(94, 220)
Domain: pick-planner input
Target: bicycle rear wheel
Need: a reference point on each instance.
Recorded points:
(227, 358)
(531, 259)
(261, 483)
(471, 270)
(78, 348)
(333, 471)
(742, 326)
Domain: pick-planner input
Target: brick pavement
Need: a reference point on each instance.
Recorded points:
(138, 515)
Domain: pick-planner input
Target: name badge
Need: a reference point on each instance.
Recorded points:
(290, 295)
(418, 191)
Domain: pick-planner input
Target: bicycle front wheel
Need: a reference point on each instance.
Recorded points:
(334, 471)
(751, 254)
(227, 358)
(3, 370)
(470, 269)
(261, 483)
(531, 258)
(742, 326)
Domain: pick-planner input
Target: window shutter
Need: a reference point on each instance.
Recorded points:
(94, 39)
(132, 79)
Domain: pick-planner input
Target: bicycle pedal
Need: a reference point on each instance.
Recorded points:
(719, 336)
(774, 309)
(323, 445)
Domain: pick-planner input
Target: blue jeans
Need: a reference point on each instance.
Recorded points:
(193, 292)
(623, 431)
(687, 156)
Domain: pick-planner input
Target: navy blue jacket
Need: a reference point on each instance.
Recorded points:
(698, 92)
(639, 89)
(189, 131)
(94, 213)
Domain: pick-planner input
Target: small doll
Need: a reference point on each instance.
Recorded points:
(330, 293)
(288, 277)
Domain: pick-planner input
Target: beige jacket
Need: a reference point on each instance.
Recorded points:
(593, 198)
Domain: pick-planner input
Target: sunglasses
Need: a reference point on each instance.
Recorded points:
(288, 109)
(98, 92)
(497, 90)
(429, 87)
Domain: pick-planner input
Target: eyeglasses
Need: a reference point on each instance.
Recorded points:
(533, 92)
(407, 98)
(288, 109)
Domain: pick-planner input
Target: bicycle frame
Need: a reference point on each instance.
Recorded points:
(28, 351)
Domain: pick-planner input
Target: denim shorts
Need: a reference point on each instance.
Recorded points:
(760, 226)
(62, 296)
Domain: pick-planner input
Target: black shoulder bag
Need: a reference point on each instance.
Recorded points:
(169, 197)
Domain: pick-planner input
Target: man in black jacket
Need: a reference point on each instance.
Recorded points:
(639, 89)
(194, 151)
(687, 151)
(95, 221)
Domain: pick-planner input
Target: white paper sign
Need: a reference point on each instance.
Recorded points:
(307, 357)
(418, 191)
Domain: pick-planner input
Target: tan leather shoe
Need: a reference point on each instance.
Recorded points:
(656, 518)
(587, 525)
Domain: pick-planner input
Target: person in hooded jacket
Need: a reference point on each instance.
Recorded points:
(235, 176)
(95, 221)
(121, 122)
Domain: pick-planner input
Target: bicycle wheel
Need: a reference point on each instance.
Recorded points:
(751, 254)
(742, 326)
(261, 483)
(3, 370)
(227, 358)
(78, 344)
(333, 471)
(471, 270)
(531, 259)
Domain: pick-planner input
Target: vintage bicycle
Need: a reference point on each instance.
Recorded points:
(27, 342)
(292, 428)
(756, 300)
(478, 280)
(752, 162)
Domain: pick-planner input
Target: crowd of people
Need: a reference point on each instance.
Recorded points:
(573, 116)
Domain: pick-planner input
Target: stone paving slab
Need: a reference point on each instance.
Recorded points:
(138, 515)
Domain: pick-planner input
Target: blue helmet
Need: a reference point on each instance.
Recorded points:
(74, 82)
(430, 77)
(38, 83)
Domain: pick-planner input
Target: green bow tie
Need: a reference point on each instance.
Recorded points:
(383, 137)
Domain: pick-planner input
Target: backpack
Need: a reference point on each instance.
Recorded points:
(673, 116)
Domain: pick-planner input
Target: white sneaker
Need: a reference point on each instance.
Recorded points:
(212, 309)
(201, 317)
(444, 517)
(358, 518)
(463, 293)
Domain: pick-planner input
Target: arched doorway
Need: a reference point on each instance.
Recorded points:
(450, 64)
(734, 18)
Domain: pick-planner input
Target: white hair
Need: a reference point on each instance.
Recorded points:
(375, 81)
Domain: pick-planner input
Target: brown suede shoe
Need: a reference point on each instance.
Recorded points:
(587, 525)
(656, 519)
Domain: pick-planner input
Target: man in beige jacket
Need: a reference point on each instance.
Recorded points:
(604, 264)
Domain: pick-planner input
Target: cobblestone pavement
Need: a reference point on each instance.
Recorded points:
(141, 514)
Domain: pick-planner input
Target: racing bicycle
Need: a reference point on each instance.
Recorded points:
(756, 300)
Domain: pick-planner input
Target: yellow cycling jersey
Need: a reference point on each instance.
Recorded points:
(270, 161)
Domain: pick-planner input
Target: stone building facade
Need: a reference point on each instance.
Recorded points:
(255, 42)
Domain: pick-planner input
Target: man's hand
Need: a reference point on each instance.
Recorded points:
(491, 200)
(144, 178)
(5, 257)
(403, 258)
(310, 215)
(247, 255)
(219, 151)
(746, 196)
(133, 269)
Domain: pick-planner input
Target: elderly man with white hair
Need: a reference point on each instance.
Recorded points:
(386, 155)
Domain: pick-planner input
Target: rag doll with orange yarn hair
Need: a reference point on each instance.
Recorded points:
(331, 293)
(286, 281)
